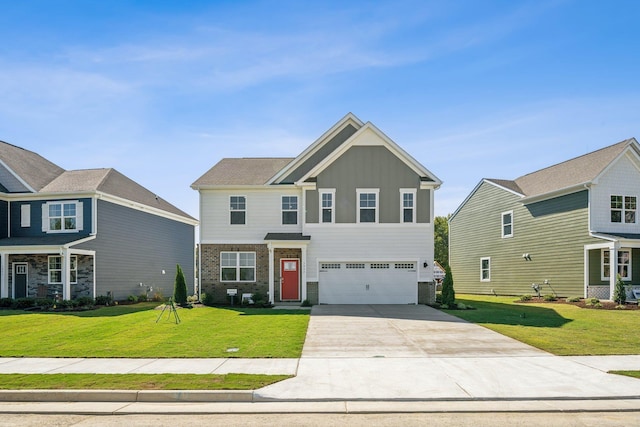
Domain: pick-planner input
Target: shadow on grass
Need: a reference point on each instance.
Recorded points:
(112, 311)
(248, 311)
(509, 314)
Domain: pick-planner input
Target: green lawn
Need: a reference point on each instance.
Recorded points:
(136, 381)
(132, 331)
(561, 329)
(634, 374)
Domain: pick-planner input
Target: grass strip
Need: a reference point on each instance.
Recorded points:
(561, 329)
(137, 381)
(634, 374)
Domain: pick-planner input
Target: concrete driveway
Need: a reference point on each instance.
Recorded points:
(402, 331)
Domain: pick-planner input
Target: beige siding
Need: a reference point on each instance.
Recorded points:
(552, 232)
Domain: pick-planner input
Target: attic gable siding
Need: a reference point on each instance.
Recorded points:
(552, 232)
(10, 182)
(622, 179)
(320, 155)
(371, 167)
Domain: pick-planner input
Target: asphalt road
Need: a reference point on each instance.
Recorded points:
(582, 419)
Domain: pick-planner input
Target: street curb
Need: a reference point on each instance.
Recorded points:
(126, 396)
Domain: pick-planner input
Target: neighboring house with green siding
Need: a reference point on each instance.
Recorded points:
(565, 228)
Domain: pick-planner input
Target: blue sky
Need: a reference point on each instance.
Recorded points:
(163, 90)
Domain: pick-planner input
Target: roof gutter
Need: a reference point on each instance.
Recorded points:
(556, 193)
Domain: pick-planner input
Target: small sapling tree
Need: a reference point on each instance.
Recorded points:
(448, 294)
(619, 293)
(180, 287)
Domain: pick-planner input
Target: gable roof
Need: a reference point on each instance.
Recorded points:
(28, 167)
(304, 167)
(243, 171)
(111, 182)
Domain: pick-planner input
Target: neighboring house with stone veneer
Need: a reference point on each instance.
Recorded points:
(69, 234)
(348, 221)
(574, 225)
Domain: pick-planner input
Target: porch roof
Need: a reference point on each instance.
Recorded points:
(286, 236)
(48, 240)
(618, 236)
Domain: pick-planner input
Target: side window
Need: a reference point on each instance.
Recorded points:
(407, 205)
(289, 210)
(238, 266)
(623, 209)
(65, 216)
(367, 206)
(485, 269)
(507, 224)
(237, 210)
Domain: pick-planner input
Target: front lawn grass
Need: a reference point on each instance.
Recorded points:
(561, 329)
(137, 381)
(634, 374)
(132, 331)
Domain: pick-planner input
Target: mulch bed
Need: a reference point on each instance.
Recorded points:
(606, 305)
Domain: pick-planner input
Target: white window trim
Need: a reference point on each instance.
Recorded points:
(331, 191)
(246, 219)
(488, 279)
(79, 216)
(414, 192)
(282, 211)
(376, 191)
(502, 224)
(607, 278)
(25, 215)
(255, 267)
(71, 257)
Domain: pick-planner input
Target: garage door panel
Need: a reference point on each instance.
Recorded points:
(368, 283)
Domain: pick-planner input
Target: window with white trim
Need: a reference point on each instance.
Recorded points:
(367, 206)
(237, 210)
(485, 269)
(237, 266)
(62, 216)
(624, 264)
(55, 269)
(327, 211)
(623, 208)
(507, 224)
(408, 206)
(289, 210)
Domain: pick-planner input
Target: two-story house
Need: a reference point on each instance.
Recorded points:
(570, 228)
(68, 234)
(348, 221)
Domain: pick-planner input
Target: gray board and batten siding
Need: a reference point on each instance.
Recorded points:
(553, 232)
(134, 247)
(368, 167)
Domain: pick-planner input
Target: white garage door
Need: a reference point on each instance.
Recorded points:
(368, 283)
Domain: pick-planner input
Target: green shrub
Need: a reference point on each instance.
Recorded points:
(619, 292)
(444, 306)
(132, 298)
(64, 304)
(525, 298)
(573, 299)
(549, 298)
(448, 293)
(44, 302)
(592, 301)
(192, 298)
(306, 303)
(461, 306)
(180, 287)
(103, 300)
(621, 307)
(208, 299)
(259, 298)
(22, 303)
(158, 297)
(142, 298)
(85, 302)
(6, 302)
(438, 297)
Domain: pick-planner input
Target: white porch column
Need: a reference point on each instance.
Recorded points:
(271, 270)
(4, 276)
(66, 275)
(303, 272)
(586, 272)
(613, 270)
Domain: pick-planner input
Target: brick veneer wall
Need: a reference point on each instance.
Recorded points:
(210, 280)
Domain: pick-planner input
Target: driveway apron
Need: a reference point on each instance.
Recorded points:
(414, 352)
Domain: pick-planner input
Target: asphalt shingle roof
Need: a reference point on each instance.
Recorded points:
(242, 171)
(31, 167)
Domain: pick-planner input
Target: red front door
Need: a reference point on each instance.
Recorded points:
(290, 279)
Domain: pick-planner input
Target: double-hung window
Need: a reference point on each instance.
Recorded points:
(237, 210)
(485, 269)
(367, 205)
(64, 216)
(624, 264)
(238, 266)
(407, 206)
(327, 211)
(507, 224)
(289, 210)
(55, 269)
(623, 209)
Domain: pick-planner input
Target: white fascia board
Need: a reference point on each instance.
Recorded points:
(145, 208)
(632, 150)
(387, 142)
(557, 193)
(242, 187)
(47, 196)
(18, 177)
(77, 242)
(317, 144)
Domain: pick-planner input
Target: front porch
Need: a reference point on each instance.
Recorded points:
(603, 262)
(287, 267)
